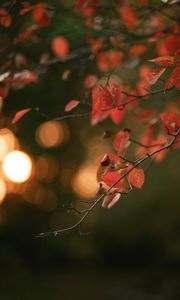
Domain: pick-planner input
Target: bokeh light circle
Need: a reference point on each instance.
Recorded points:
(17, 166)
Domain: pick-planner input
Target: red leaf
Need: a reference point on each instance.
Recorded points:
(153, 75)
(164, 61)
(71, 105)
(103, 101)
(98, 114)
(121, 141)
(60, 46)
(90, 81)
(110, 200)
(101, 171)
(169, 45)
(129, 16)
(20, 114)
(170, 120)
(137, 50)
(111, 177)
(38, 12)
(136, 177)
(80, 4)
(117, 115)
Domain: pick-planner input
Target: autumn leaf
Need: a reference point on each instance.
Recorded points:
(164, 61)
(38, 12)
(129, 16)
(117, 115)
(71, 105)
(136, 177)
(90, 81)
(80, 4)
(121, 141)
(20, 114)
(153, 75)
(137, 50)
(60, 46)
(110, 199)
(111, 177)
(170, 120)
(98, 112)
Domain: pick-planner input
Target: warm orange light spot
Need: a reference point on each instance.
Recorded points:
(84, 182)
(7, 142)
(47, 168)
(17, 166)
(52, 134)
(2, 190)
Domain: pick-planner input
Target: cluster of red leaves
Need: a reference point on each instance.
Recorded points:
(116, 172)
(107, 101)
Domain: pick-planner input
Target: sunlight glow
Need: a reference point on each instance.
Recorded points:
(2, 190)
(17, 166)
(7, 142)
(84, 182)
(52, 134)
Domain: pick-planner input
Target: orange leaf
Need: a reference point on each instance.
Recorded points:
(117, 115)
(80, 4)
(90, 81)
(71, 105)
(111, 177)
(153, 75)
(137, 50)
(60, 46)
(170, 120)
(164, 61)
(136, 177)
(38, 12)
(121, 141)
(129, 16)
(110, 200)
(20, 114)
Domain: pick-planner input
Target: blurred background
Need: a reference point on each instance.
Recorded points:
(49, 166)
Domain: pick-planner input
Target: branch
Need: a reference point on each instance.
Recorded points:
(63, 117)
(98, 200)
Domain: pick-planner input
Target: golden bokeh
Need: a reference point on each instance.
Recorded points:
(47, 168)
(7, 142)
(17, 166)
(84, 181)
(52, 134)
(3, 190)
